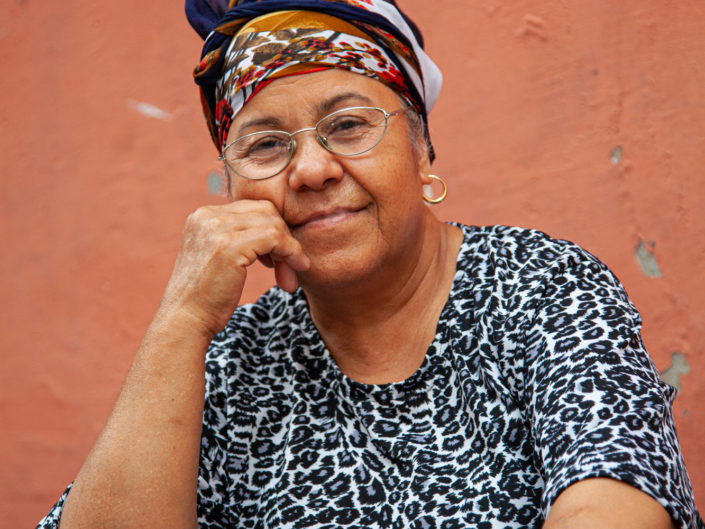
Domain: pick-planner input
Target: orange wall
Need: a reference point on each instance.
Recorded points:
(540, 99)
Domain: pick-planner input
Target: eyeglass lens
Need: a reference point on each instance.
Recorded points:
(347, 132)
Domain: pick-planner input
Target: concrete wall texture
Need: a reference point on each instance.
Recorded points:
(583, 119)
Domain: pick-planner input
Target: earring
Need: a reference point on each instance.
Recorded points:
(443, 195)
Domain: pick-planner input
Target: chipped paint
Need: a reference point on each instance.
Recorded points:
(679, 367)
(616, 155)
(216, 183)
(149, 110)
(647, 260)
(94, 196)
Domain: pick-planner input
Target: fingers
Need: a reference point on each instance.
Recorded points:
(286, 276)
(259, 226)
(249, 230)
(266, 260)
(218, 244)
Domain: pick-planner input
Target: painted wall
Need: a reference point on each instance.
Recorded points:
(584, 119)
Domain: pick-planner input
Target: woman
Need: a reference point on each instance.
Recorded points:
(423, 375)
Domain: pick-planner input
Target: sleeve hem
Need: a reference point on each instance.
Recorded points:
(552, 491)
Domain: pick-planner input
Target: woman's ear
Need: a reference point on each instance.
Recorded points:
(424, 166)
(423, 159)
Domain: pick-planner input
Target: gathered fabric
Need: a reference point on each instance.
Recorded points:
(250, 43)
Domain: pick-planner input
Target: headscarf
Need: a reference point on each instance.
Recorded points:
(249, 43)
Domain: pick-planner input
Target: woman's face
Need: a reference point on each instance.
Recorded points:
(353, 216)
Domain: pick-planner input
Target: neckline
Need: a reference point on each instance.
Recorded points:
(321, 363)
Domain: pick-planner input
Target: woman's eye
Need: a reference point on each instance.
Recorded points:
(347, 125)
(266, 146)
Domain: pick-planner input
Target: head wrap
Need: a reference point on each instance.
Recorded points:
(249, 43)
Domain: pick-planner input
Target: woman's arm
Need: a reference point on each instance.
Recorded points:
(143, 469)
(607, 504)
(599, 409)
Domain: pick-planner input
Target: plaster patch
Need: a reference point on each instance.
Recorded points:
(647, 260)
(148, 110)
(679, 367)
(532, 26)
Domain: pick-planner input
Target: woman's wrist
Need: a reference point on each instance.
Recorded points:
(178, 326)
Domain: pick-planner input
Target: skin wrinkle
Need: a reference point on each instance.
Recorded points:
(364, 284)
(170, 376)
(384, 312)
(414, 124)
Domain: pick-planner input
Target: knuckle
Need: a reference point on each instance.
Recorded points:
(265, 207)
(199, 216)
(272, 232)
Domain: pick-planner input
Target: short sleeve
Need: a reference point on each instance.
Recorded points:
(212, 498)
(597, 403)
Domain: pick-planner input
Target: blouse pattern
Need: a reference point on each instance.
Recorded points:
(537, 378)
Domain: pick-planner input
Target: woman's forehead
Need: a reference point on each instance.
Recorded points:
(313, 95)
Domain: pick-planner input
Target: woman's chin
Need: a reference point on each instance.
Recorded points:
(339, 268)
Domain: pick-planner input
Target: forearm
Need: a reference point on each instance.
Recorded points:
(142, 471)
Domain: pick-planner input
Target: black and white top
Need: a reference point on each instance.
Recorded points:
(537, 378)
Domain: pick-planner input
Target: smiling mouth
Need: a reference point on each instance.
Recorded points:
(327, 218)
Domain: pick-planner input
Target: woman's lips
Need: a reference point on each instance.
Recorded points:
(327, 217)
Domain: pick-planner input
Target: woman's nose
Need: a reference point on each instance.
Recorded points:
(312, 166)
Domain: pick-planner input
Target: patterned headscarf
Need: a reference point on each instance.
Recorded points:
(249, 43)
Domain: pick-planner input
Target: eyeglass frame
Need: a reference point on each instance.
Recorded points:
(291, 147)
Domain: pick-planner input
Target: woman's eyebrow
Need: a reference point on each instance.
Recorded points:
(329, 105)
(325, 107)
(268, 121)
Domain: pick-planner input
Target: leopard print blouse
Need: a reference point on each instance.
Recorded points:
(537, 378)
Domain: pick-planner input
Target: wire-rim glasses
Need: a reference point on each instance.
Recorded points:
(347, 132)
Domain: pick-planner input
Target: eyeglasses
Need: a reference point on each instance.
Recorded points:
(347, 132)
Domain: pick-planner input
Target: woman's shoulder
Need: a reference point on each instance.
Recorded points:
(511, 254)
(514, 271)
(522, 247)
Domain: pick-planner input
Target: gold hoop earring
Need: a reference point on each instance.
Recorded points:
(441, 198)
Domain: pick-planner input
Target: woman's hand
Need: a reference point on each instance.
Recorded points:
(147, 456)
(218, 244)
